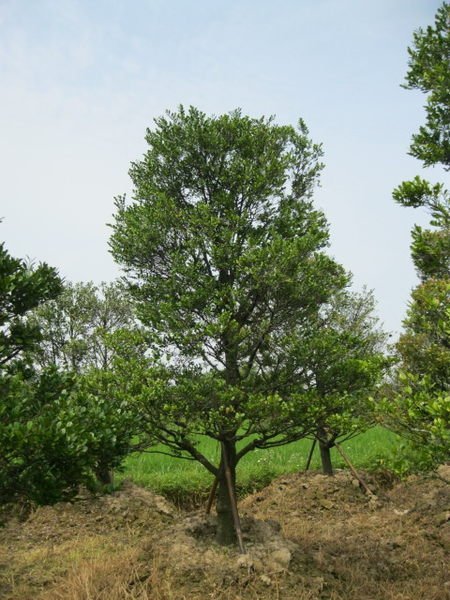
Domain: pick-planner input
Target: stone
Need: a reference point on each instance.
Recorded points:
(163, 507)
(280, 558)
(245, 561)
(444, 472)
(258, 566)
(373, 501)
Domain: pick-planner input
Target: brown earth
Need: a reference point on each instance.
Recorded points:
(307, 537)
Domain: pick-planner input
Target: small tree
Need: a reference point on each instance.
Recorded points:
(87, 330)
(223, 251)
(344, 361)
(56, 430)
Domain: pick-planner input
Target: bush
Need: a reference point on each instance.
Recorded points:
(55, 433)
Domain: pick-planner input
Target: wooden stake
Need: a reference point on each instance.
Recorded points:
(353, 470)
(234, 509)
(212, 495)
(311, 452)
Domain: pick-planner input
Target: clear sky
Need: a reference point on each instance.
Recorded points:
(82, 79)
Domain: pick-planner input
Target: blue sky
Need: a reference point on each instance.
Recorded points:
(81, 81)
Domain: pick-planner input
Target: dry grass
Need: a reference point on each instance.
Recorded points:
(103, 578)
(346, 548)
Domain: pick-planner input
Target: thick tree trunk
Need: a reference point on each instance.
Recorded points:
(226, 533)
(325, 456)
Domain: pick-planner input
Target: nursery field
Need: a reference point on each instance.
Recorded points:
(179, 479)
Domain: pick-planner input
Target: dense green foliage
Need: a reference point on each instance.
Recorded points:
(38, 460)
(420, 401)
(58, 428)
(429, 71)
(224, 253)
(76, 325)
(22, 288)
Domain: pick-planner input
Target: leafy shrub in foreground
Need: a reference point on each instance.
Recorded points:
(54, 433)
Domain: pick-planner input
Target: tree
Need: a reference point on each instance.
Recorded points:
(345, 361)
(86, 330)
(57, 429)
(429, 72)
(420, 405)
(224, 253)
(76, 325)
(22, 288)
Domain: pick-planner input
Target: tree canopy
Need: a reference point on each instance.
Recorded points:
(22, 288)
(224, 253)
(344, 358)
(76, 325)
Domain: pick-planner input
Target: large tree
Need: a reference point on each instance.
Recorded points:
(224, 253)
(420, 406)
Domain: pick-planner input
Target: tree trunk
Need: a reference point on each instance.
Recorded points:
(325, 456)
(226, 533)
(104, 475)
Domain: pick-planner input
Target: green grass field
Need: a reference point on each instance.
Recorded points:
(178, 478)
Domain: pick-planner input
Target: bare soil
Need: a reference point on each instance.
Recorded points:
(307, 537)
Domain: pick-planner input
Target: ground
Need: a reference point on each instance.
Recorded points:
(307, 537)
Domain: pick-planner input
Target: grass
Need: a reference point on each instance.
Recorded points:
(179, 478)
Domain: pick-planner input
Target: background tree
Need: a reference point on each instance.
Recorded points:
(87, 330)
(56, 427)
(420, 406)
(76, 325)
(223, 251)
(344, 357)
(22, 288)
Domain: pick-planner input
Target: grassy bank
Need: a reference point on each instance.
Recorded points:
(177, 477)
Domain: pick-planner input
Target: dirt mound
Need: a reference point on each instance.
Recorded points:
(308, 537)
(391, 545)
(56, 538)
(189, 558)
